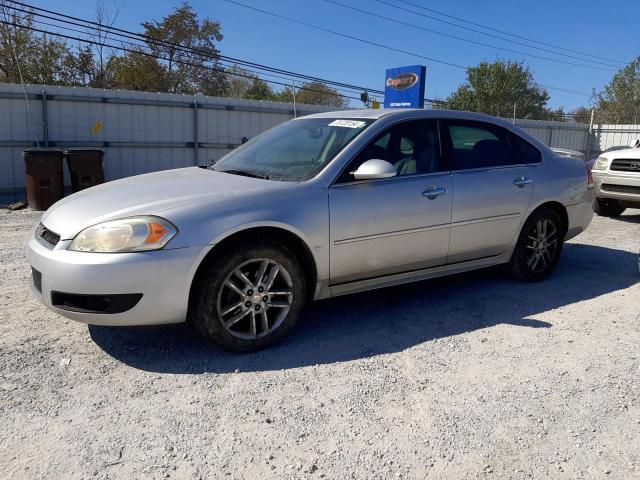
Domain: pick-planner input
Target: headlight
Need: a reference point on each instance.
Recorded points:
(601, 163)
(135, 234)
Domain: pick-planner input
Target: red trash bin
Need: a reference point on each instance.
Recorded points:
(44, 178)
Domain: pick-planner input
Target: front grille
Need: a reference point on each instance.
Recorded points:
(37, 279)
(47, 235)
(626, 165)
(608, 187)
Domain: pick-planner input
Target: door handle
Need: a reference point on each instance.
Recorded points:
(433, 192)
(522, 181)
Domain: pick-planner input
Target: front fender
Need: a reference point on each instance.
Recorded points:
(303, 213)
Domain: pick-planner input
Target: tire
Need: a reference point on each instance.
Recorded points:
(543, 223)
(606, 207)
(231, 311)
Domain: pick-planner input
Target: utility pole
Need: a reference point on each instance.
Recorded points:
(590, 135)
(295, 112)
(514, 112)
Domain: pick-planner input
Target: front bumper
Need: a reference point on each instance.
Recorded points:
(617, 180)
(163, 277)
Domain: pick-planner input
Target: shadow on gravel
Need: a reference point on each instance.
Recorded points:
(629, 218)
(385, 321)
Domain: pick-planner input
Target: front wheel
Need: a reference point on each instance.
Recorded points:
(250, 298)
(606, 207)
(539, 246)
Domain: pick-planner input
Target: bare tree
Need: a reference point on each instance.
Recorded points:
(105, 17)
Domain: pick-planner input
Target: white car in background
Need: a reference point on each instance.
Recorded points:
(564, 152)
(616, 175)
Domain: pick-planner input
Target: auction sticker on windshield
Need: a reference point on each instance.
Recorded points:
(348, 123)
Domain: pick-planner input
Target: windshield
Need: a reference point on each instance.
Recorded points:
(294, 151)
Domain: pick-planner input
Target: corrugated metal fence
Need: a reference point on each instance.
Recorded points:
(571, 136)
(576, 136)
(139, 131)
(142, 132)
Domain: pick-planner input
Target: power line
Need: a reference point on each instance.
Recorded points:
(344, 35)
(141, 52)
(235, 61)
(361, 40)
(494, 30)
(224, 63)
(456, 37)
(134, 35)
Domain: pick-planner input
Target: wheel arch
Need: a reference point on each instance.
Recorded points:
(558, 208)
(287, 238)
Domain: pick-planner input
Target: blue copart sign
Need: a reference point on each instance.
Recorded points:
(404, 87)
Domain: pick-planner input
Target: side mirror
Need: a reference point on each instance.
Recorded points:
(374, 169)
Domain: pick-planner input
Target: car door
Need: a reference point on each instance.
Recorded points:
(491, 187)
(386, 226)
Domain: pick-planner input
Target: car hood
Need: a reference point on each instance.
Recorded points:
(149, 194)
(633, 152)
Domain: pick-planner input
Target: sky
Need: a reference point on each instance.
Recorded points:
(603, 29)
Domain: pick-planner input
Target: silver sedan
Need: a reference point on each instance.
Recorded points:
(319, 206)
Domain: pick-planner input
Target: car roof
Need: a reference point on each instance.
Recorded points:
(412, 113)
(408, 112)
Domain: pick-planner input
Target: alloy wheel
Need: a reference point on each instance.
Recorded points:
(255, 298)
(542, 245)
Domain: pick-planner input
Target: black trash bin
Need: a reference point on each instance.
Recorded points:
(44, 178)
(85, 167)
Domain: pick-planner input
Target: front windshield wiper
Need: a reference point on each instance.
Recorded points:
(244, 173)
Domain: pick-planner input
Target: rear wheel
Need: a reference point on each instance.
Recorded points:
(250, 298)
(606, 207)
(539, 246)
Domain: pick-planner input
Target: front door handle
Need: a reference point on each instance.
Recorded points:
(433, 192)
(522, 181)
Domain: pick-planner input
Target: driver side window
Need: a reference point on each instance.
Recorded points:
(411, 147)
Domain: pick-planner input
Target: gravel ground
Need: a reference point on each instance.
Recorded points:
(473, 376)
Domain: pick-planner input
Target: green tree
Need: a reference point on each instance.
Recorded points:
(619, 102)
(495, 87)
(84, 65)
(47, 64)
(238, 82)
(318, 93)
(39, 58)
(582, 115)
(17, 46)
(259, 90)
(137, 71)
(242, 83)
(188, 71)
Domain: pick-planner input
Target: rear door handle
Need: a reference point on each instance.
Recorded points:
(433, 192)
(522, 181)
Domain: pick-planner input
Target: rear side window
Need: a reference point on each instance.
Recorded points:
(523, 151)
(478, 145)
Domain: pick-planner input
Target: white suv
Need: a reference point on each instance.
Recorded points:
(617, 181)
